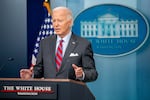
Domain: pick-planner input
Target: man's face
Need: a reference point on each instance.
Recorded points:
(61, 23)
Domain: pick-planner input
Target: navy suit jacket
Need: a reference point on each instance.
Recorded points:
(78, 51)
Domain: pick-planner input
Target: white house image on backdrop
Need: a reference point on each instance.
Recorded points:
(109, 26)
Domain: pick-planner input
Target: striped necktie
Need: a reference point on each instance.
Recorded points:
(59, 54)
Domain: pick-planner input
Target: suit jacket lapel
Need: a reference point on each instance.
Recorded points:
(52, 51)
(70, 48)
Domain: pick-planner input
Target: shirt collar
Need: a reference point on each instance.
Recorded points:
(66, 38)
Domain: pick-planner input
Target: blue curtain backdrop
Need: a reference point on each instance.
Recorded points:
(13, 37)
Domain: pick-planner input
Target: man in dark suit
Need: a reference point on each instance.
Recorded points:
(77, 55)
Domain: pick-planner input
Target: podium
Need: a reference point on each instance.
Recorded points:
(44, 89)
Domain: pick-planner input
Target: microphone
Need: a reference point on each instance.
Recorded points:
(4, 64)
(10, 59)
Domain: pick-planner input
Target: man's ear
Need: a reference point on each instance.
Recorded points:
(70, 23)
